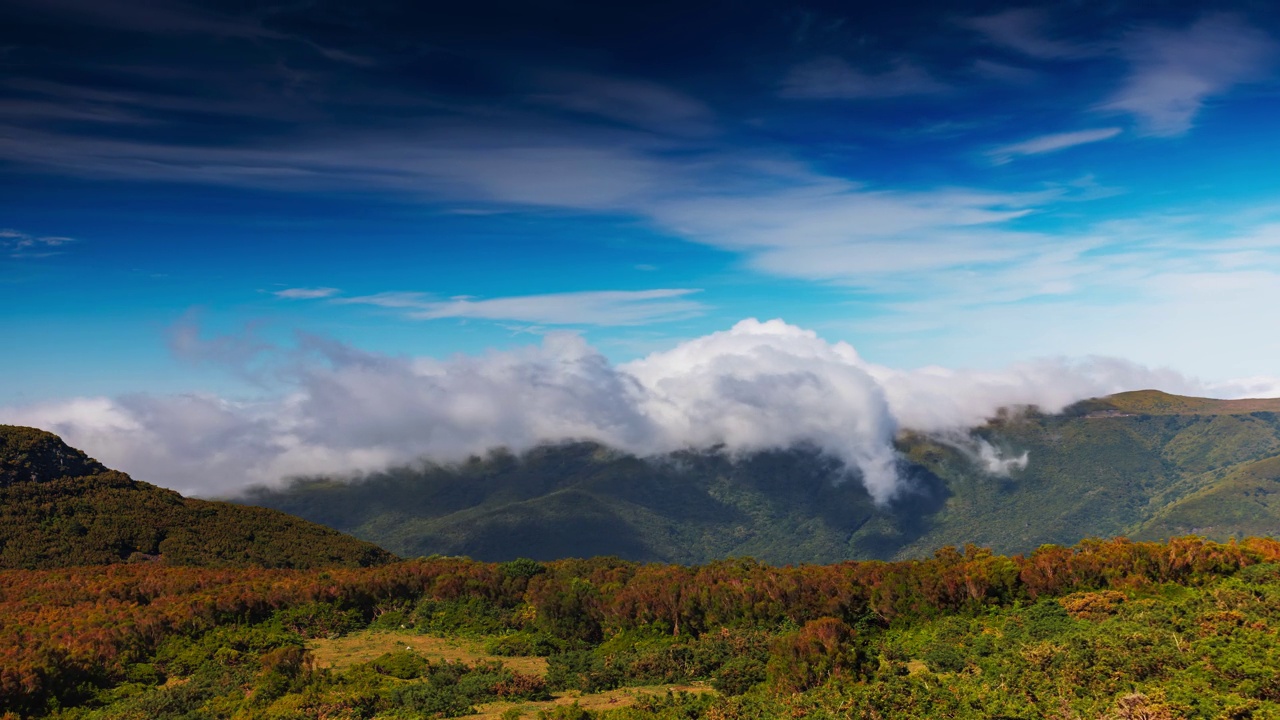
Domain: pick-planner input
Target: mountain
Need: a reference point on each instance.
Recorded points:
(59, 507)
(583, 499)
(1143, 464)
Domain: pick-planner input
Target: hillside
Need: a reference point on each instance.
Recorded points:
(582, 500)
(1155, 402)
(1102, 473)
(1106, 629)
(59, 508)
(1145, 464)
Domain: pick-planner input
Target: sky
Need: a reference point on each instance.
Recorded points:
(214, 213)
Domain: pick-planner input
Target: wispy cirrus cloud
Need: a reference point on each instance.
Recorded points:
(1175, 72)
(18, 244)
(494, 163)
(832, 78)
(306, 293)
(823, 228)
(782, 215)
(1172, 72)
(1051, 143)
(627, 101)
(607, 307)
(599, 307)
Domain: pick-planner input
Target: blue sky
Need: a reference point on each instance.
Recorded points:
(188, 188)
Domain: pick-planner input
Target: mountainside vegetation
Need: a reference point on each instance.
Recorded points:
(1145, 464)
(1106, 629)
(60, 508)
(181, 608)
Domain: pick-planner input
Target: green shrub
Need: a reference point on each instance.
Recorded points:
(739, 675)
(521, 568)
(582, 670)
(402, 664)
(431, 700)
(1046, 619)
(463, 616)
(944, 657)
(525, 643)
(315, 620)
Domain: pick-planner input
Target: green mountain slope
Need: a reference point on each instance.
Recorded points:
(1245, 501)
(583, 499)
(59, 508)
(1146, 464)
(1089, 475)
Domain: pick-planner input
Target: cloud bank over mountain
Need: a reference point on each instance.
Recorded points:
(755, 386)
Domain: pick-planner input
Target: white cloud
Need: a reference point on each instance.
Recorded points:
(831, 78)
(758, 385)
(1052, 143)
(1174, 72)
(314, 293)
(763, 385)
(600, 307)
(983, 453)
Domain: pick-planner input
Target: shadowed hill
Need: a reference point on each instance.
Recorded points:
(1146, 464)
(58, 507)
(31, 455)
(582, 499)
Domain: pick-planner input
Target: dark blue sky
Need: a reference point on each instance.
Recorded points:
(190, 190)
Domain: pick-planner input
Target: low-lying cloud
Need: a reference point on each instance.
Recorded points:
(755, 386)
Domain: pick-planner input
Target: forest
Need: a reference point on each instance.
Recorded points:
(1102, 629)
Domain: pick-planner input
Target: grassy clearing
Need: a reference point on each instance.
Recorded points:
(341, 653)
(609, 700)
(348, 650)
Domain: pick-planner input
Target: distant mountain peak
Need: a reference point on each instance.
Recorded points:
(1157, 402)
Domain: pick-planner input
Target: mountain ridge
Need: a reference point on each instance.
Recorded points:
(1144, 464)
(1158, 402)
